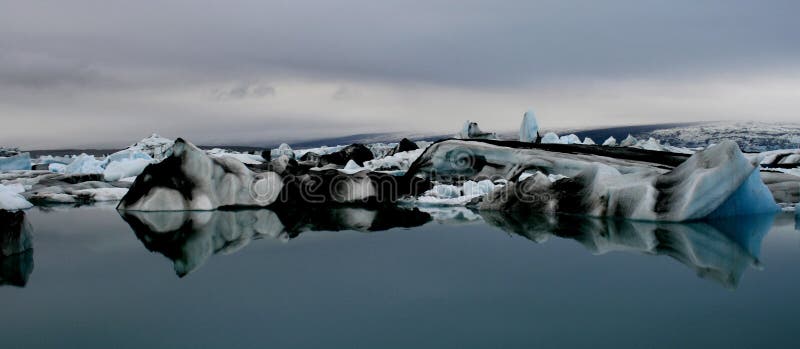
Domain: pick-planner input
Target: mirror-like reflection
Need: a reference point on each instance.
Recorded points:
(718, 250)
(16, 248)
(190, 238)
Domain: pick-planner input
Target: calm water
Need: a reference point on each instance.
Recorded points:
(96, 280)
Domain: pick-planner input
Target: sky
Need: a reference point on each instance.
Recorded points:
(84, 73)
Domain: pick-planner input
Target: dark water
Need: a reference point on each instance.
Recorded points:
(95, 280)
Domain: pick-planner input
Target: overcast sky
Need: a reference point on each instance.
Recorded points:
(107, 72)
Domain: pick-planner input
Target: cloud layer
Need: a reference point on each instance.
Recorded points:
(109, 72)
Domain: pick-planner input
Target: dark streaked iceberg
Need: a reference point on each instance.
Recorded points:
(717, 182)
(191, 180)
(16, 248)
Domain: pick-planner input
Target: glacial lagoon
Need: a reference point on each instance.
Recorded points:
(352, 277)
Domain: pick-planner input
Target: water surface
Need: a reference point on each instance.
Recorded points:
(97, 279)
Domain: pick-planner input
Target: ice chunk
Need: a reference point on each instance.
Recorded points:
(650, 144)
(569, 139)
(444, 191)
(629, 141)
(16, 162)
(248, 159)
(57, 168)
(588, 141)
(128, 154)
(470, 130)
(610, 142)
(550, 138)
(529, 131)
(155, 146)
(84, 164)
(472, 188)
(283, 149)
(117, 170)
(11, 200)
(451, 195)
(351, 167)
(398, 161)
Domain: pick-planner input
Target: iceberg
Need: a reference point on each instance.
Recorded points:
(452, 195)
(570, 139)
(283, 149)
(453, 160)
(399, 161)
(718, 182)
(629, 141)
(16, 162)
(405, 145)
(16, 248)
(84, 164)
(355, 152)
(470, 130)
(10, 198)
(588, 141)
(610, 142)
(529, 131)
(119, 169)
(550, 138)
(189, 179)
(155, 146)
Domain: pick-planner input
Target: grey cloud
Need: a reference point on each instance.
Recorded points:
(446, 42)
(243, 90)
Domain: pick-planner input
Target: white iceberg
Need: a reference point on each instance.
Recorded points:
(588, 141)
(84, 164)
(610, 142)
(550, 138)
(10, 198)
(452, 195)
(155, 146)
(529, 130)
(629, 141)
(570, 139)
(117, 170)
(283, 149)
(399, 161)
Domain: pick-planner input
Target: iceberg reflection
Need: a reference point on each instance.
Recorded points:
(189, 238)
(718, 250)
(16, 248)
